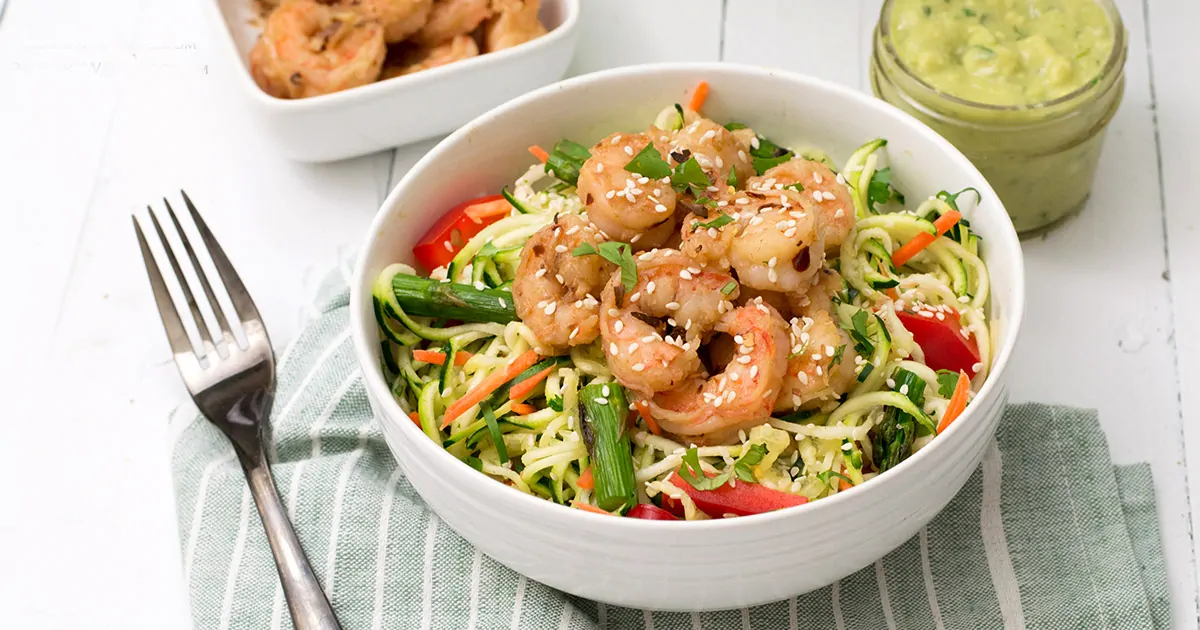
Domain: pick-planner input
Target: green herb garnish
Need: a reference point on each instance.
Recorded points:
(691, 472)
(881, 191)
(798, 187)
(967, 11)
(824, 476)
(689, 176)
(650, 163)
(927, 11)
(566, 159)
(732, 179)
(734, 126)
(617, 253)
(763, 164)
(837, 356)
(729, 287)
(719, 222)
(947, 381)
(867, 368)
(554, 403)
(858, 333)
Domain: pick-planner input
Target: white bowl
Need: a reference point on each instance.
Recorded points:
(721, 563)
(398, 111)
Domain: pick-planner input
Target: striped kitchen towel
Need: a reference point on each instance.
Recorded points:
(1040, 537)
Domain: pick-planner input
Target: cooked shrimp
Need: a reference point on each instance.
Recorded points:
(400, 18)
(626, 206)
(652, 333)
(822, 364)
(715, 148)
(819, 296)
(713, 409)
(515, 22)
(450, 18)
(555, 290)
(823, 192)
(414, 59)
(308, 49)
(708, 245)
(780, 246)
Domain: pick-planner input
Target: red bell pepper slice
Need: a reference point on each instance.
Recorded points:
(942, 340)
(442, 241)
(742, 499)
(649, 512)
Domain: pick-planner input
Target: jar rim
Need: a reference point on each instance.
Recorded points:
(1114, 64)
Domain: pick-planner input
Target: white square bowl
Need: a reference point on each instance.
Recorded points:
(397, 111)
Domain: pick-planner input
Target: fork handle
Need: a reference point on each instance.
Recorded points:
(306, 600)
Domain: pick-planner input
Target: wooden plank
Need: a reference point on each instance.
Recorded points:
(1099, 328)
(1171, 38)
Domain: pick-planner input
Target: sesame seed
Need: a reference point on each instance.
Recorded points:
(977, 367)
(744, 359)
(616, 138)
(941, 316)
(612, 348)
(618, 325)
(636, 237)
(650, 338)
(628, 150)
(772, 276)
(610, 194)
(820, 371)
(839, 214)
(734, 377)
(633, 299)
(789, 233)
(562, 249)
(479, 286)
(638, 367)
(904, 389)
(925, 313)
(650, 288)
(803, 378)
(742, 201)
(643, 180)
(573, 229)
(612, 312)
(574, 332)
(671, 306)
(449, 247)
(602, 401)
(551, 307)
(539, 273)
(599, 167)
(773, 261)
(753, 371)
(891, 383)
(741, 155)
(796, 401)
(604, 391)
(558, 276)
(503, 304)
(962, 299)
(685, 274)
(660, 208)
(633, 347)
(828, 351)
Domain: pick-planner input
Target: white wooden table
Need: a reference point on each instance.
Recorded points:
(108, 106)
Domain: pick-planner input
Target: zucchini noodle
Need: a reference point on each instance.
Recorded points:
(492, 394)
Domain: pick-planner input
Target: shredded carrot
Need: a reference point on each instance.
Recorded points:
(487, 209)
(525, 387)
(438, 358)
(644, 411)
(585, 479)
(892, 293)
(522, 409)
(489, 385)
(589, 508)
(415, 417)
(958, 401)
(539, 153)
(698, 96)
(925, 239)
(843, 484)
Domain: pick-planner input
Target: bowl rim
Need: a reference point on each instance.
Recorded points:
(380, 89)
(540, 508)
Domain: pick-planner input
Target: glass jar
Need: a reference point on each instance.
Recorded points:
(1041, 158)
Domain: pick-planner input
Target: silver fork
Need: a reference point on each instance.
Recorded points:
(234, 386)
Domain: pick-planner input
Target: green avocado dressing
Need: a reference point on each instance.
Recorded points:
(1002, 52)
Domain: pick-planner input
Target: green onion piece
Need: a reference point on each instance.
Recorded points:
(729, 287)
(732, 180)
(867, 368)
(494, 430)
(604, 409)
(566, 159)
(449, 300)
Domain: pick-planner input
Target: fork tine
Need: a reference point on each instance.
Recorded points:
(176, 333)
(183, 283)
(226, 331)
(237, 291)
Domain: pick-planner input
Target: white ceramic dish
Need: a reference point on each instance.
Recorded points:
(710, 564)
(398, 111)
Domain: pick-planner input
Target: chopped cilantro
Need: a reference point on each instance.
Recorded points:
(837, 356)
(719, 222)
(650, 163)
(689, 176)
(880, 190)
(947, 381)
(798, 187)
(734, 126)
(729, 287)
(927, 11)
(967, 11)
(566, 159)
(705, 201)
(859, 334)
(620, 254)
(732, 179)
(763, 164)
(691, 472)
(952, 199)
(554, 403)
